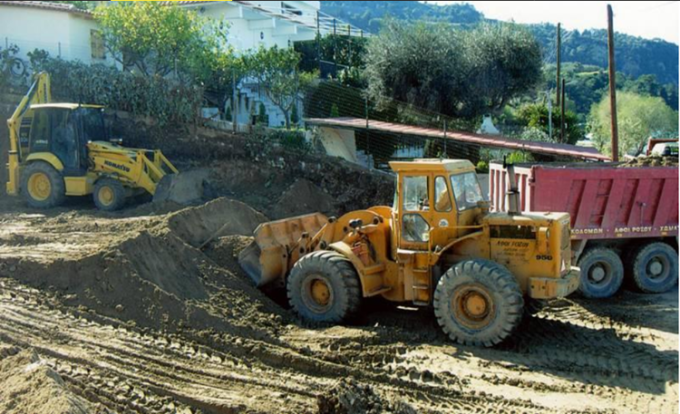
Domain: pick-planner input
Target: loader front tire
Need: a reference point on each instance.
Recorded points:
(478, 302)
(324, 287)
(42, 186)
(109, 194)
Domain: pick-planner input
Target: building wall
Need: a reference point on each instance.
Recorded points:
(60, 33)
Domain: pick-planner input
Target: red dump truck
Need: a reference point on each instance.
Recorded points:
(624, 220)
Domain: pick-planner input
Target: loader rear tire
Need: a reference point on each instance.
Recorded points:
(324, 287)
(109, 194)
(655, 268)
(42, 186)
(601, 273)
(478, 302)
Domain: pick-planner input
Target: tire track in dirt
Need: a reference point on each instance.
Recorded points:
(173, 371)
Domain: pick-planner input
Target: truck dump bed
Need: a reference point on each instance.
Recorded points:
(605, 200)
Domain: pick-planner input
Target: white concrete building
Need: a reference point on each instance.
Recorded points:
(60, 29)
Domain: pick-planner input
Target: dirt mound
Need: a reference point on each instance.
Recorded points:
(350, 397)
(28, 386)
(651, 161)
(303, 197)
(149, 273)
(198, 224)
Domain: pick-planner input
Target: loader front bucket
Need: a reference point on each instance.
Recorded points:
(182, 188)
(269, 257)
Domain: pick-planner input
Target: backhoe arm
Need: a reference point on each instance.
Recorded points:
(39, 93)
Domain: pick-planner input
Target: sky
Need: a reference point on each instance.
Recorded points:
(648, 19)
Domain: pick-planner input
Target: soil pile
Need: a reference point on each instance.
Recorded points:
(151, 273)
(28, 386)
(350, 397)
(651, 161)
(303, 197)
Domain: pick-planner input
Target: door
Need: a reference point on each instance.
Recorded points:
(414, 212)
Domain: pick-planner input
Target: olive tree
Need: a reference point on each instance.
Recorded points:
(456, 72)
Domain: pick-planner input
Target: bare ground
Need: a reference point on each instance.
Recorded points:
(169, 328)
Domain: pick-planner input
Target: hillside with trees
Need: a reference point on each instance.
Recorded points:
(635, 56)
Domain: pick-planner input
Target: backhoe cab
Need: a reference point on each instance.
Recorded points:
(437, 246)
(61, 149)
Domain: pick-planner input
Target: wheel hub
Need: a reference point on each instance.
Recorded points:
(597, 274)
(655, 268)
(473, 306)
(320, 292)
(39, 186)
(106, 196)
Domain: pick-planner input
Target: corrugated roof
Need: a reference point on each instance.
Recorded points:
(479, 139)
(48, 6)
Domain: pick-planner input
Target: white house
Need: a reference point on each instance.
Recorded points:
(60, 29)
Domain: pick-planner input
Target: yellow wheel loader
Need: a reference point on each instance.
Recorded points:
(437, 246)
(59, 150)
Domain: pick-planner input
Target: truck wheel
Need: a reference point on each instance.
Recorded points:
(478, 302)
(109, 194)
(601, 273)
(42, 186)
(655, 268)
(324, 287)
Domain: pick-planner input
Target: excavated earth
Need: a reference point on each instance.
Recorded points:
(128, 312)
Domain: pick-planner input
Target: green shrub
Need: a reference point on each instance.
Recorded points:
(163, 99)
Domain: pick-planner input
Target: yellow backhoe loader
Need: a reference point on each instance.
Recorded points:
(437, 246)
(60, 149)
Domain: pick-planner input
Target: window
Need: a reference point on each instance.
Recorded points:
(415, 228)
(466, 190)
(441, 193)
(97, 44)
(415, 193)
(513, 232)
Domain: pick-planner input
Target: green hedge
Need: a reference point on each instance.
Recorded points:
(163, 99)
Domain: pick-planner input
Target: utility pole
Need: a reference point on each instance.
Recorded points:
(562, 114)
(550, 125)
(318, 39)
(612, 84)
(335, 52)
(559, 61)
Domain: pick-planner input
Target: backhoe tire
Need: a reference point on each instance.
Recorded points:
(109, 194)
(654, 267)
(42, 186)
(478, 302)
(601, 273)
(324, 287)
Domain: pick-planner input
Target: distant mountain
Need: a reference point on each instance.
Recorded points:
(635, 56)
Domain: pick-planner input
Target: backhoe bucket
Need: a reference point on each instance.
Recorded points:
(269, 256)
(182, 188)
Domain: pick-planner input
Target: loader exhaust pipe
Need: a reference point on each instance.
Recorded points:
(513, 192)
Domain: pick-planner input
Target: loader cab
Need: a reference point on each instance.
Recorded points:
(64, 130)
(436, 201)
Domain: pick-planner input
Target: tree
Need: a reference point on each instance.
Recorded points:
(536, 116)
(159, 40)
(455, 72)
(639, 117)
(276, 71)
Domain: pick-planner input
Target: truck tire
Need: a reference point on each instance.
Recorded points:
(655, 267)
(324, 287)
(42, 186)
(109, 194)
(601, 273)
(478, 302)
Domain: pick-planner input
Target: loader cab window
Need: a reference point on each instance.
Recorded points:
(415, 193)
(442, 196)
(415, 200)
(466, 190)
(56, 130)
(92, 123)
